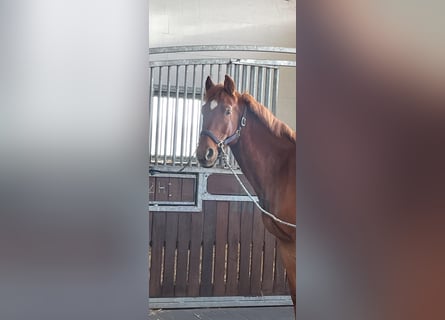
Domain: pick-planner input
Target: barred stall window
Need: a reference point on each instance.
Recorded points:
(175, 129)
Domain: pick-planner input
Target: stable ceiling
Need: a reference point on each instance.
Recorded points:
(250, 22)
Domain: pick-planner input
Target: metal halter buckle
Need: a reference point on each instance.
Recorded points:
(243, 121)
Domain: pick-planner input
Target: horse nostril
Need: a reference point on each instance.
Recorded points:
(209, 154)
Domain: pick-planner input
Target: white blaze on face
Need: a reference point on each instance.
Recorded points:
(213, 104)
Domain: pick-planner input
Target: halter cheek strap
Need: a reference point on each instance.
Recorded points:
(229, 139)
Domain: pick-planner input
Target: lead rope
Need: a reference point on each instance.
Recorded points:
(153, 171)
(270, 215)
(188, 162)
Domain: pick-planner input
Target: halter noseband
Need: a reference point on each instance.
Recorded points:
(229, 139)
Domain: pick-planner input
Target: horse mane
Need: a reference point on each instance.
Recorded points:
(277, 127)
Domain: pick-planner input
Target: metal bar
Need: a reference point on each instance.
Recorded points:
(190, 170)
(187, 125)
(202, 90)
(211, 73)
(266, 63)
(150, 112)
(178, 208)
(275, 90)
(167, 113)
(237, 76)
(255, 85)
(195, 48)
(183, 116)
(222, 197)
(174, 89)
(193, 127)
(260, 85)
(158, 115)
(219, 73)
(187, 61)
(244, 83)
(209, 302)
(252, 81)
(175, 127)
(268, 89)
(232, 69)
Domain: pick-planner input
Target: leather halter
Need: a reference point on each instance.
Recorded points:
(229, 139)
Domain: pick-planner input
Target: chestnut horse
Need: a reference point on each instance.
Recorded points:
(264, 148)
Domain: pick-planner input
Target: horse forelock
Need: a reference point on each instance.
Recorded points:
(218, 93)
(276, 126)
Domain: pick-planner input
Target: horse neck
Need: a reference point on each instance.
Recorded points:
(261, 155)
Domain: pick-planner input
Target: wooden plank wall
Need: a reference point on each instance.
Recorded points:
(222, 251)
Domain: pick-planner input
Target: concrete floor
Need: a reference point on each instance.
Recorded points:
(245, 313)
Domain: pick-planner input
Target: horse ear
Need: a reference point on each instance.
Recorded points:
(209, 83)
(229, 85)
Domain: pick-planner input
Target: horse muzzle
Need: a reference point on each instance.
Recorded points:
(207, 154)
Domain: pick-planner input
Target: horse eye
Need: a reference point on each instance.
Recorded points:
(228, 111)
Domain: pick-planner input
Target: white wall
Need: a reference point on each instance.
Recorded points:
(250, 22)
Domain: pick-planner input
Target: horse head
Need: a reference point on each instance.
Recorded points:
(222, 120)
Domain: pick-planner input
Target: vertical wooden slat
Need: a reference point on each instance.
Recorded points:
(245, 246)
(268, 264)
(208, 240)
(257, 252)
(233, 243)
(286, 283)
(171, 232)
(150, 224)
(184, 222)
(222, 216)
(195, 254)
(279, 284)
(157, 239)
